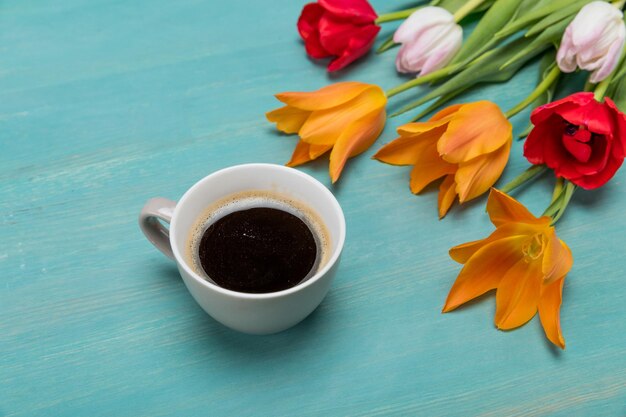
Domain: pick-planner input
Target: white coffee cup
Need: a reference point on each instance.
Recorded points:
(249, 313)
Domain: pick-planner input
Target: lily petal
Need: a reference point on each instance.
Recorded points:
(518, 294)
(557, 258)
(503, 209)
(549, 312)
(462, 253)
(484, 270)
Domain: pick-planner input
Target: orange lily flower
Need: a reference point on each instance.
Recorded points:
(523, 260)
(346, 117)
(468, 144)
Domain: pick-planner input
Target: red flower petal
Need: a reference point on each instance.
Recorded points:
(574, 101)
(335, 34)
(309, 19)
(578, 149)
(594, 116)
(541, 133)
(599, 156)
(308, 24)
(590, 182)
(620, 121)
(359, 45)
(355, 11)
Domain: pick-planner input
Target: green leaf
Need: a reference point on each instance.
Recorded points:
(451, 5)
(545, 66)
(386, 45)
(567, 13)
(484, 68)
(495, 19)
(551, 35)
(618, 93)
(485, 6)
(535, 14)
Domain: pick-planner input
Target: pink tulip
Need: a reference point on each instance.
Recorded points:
(430, 38)
(593, 41)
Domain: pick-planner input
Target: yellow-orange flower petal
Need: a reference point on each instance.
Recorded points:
(462, 253)
(288, 119)
(355, 139)
(326, 97)
(557, 258)
(421, 127)
(346, 117)
(549, 312)
(504, 209)
(423, 174)
(409, 148)
(476, 176)
(518, 293)
(444, 113)
(523, 259)
(476, 129)
(324, 127)
(447, 194)
(473, 143)
(305, 152)
(484, 271)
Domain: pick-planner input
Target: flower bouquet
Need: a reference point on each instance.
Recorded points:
(579, 139)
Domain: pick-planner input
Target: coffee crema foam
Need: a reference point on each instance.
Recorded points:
(252, 199)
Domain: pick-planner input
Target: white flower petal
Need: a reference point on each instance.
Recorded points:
(419, 21)
(593, 41)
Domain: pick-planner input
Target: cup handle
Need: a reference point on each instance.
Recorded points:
(154, 210)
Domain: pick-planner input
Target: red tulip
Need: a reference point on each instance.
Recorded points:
(343, 29)
(581, 139)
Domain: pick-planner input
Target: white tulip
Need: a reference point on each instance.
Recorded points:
(430, 38)
(593, 41)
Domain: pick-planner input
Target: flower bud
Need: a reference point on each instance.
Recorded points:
(593, 41)
(430, 38)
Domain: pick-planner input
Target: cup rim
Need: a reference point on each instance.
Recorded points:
(180, 259)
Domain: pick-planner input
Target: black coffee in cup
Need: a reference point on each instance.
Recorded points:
(258, 242)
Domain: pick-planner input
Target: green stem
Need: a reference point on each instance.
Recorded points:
(601, 88)
(526, 176)
(537, 92)
(387, 44)
(558, 189)
(466, 9)
(418, 81)
(561, 203)
(563, 192)
(399, 15)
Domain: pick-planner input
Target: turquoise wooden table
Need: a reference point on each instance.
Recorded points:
(106, 103)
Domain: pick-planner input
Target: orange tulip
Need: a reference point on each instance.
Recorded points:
(468, 144)
(346, 117)
(523, 260)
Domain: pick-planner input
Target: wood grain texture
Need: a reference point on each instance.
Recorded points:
(106, 103)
